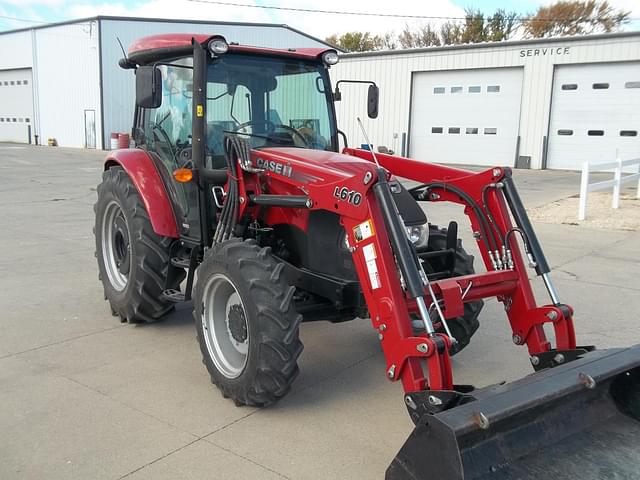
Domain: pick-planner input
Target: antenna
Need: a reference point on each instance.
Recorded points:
(366, 137)
(122, 48)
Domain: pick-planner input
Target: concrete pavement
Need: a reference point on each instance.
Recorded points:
(83, 396)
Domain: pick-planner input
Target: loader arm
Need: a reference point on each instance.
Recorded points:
(346, 186)
(461, 432)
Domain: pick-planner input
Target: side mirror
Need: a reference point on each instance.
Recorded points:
(148, 87)
(373, 95)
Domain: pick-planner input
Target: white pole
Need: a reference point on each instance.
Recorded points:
(617, 181)
(584, 186)
(638, 192)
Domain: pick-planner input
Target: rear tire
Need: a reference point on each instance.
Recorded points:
(462, 328)
(246, 323)
(133, 261)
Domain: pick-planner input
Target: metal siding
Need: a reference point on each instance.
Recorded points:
(15, 50)
(536, 90)
(118, 85)
(67, 81)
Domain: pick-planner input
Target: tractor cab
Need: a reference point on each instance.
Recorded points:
(271, 98)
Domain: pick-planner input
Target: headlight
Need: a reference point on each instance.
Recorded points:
(218, 46)
(345, 242)
(418, 234)
(330, 57)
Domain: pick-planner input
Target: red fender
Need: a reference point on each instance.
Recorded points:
(146, 178)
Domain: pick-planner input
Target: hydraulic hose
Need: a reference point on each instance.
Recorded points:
(492, 220)
(485, 230)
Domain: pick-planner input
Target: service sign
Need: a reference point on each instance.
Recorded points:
(545, 52)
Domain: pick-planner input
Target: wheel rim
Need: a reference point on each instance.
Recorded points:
(225, 327)
(116, 248)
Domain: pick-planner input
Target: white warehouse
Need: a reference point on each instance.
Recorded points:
(549, 103)
(62, 81)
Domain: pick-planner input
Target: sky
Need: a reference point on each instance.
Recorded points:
(24, 13)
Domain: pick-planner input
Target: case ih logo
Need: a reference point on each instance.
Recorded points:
(275, 167)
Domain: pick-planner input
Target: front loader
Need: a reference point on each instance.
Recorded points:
(238, 197)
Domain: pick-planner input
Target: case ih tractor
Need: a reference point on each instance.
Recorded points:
(237, 196)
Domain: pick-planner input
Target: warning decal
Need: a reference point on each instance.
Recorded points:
(372, 268)
(363, 231)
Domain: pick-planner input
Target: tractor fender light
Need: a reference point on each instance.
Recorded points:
(183, 175)
(330, 57)
(218, 46)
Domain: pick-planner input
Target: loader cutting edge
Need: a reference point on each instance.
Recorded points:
(578, 420)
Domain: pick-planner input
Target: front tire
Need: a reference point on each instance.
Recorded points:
(133, 261)
(246, 323)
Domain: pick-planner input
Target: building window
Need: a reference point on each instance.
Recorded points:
(436, 129)
(600, 86)
(475, 89)
(595, 133)
(438, 90)
(2, 119)
(14, 120)
(27, 120)
(565, 132)
(19, 82)
(490, 131)
(570, 86)
(12, 82)
(472, 130)
(6, 83)
(493, 88)
(628, 133)
(455, 130)
(25, 82)
(632, 85)
(456, 89)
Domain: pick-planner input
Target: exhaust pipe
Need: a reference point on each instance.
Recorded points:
(580, 420)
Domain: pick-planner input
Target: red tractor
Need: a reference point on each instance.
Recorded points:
(237, 196)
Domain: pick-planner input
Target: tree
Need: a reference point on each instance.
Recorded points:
(474, 30)
(358, 41)
(574, 17)
(501, 25)
(450, 33)
(425, 36)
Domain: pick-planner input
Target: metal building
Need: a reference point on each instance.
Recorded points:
(62, 81)
(549, 103)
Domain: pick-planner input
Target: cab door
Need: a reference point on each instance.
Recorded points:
(165, 132)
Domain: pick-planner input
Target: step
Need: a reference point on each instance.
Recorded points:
(180, 262)
(173, 295)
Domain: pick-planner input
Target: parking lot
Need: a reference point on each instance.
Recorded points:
(84, 396)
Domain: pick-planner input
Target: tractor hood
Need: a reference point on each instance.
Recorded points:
(320, 166)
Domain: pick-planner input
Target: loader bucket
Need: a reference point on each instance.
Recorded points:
(580, 420)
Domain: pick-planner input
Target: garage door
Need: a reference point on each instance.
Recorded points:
(595, 109)
(466, 117)
(16, 105)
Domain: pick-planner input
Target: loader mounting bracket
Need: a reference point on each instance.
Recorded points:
(554, 357)
(429, 402)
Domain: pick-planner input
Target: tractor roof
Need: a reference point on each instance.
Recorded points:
(155, 47)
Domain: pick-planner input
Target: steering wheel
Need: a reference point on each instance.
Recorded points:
(271, 127)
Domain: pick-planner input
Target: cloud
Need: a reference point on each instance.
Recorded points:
(323, 25)
(317, 24)
(171, 9)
